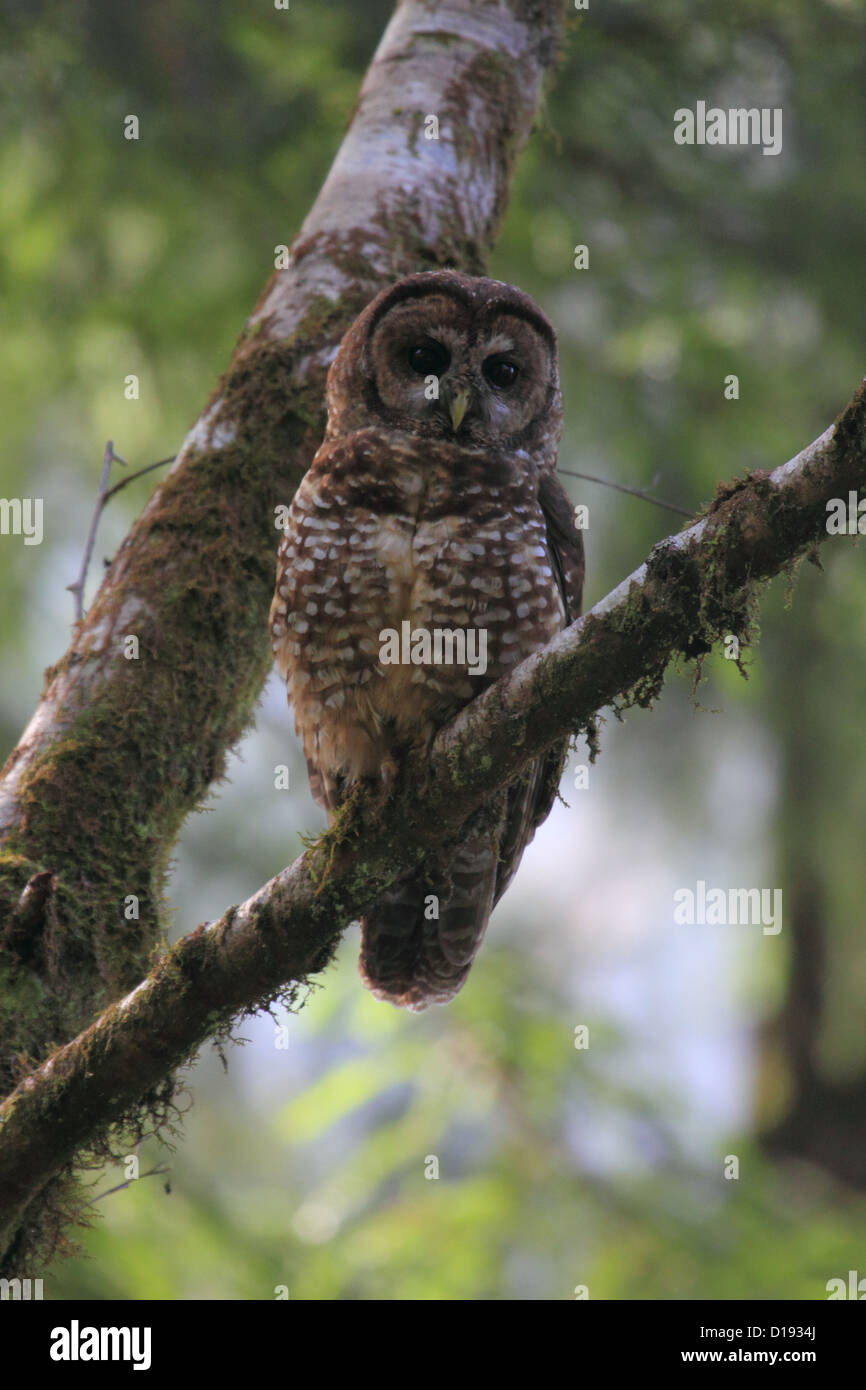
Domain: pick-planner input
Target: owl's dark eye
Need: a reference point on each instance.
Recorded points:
(428, 359)
(500, 372)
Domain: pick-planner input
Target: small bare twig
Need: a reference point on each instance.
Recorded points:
(78, 587)
(151, 1172)
(139, 473)
(104, 493)
(642, 493)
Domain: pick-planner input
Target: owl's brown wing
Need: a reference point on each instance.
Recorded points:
(565, 543)
(531, 797)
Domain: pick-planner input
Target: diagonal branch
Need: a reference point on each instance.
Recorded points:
(695, 588)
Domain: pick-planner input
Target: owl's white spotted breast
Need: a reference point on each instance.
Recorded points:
(382, 530)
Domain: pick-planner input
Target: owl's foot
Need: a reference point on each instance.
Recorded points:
(388, 769)
(389, 764)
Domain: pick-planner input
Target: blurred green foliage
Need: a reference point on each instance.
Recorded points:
(305, 1166)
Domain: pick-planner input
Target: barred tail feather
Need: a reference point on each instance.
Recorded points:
(412, 957)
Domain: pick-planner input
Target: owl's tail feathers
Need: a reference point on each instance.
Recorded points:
(421, 938)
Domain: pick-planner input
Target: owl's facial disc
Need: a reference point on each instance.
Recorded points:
(441, 368)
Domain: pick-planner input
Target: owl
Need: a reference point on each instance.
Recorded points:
(428, 550)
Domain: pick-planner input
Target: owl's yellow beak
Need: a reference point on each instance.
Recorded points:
(459, 407)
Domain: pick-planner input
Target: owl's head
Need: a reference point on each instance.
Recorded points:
(454, 356)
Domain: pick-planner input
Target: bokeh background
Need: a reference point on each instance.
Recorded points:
(305, 1164)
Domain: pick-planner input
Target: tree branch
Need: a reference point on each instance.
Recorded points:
(694, 589)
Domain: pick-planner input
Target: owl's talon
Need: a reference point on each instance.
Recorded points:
(388, 770)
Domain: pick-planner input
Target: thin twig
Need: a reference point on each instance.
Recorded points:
(78, 587)
(632, 491)
(151, 1172)
(103, 494)
(139, 473)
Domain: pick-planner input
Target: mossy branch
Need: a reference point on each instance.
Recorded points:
(695, 589)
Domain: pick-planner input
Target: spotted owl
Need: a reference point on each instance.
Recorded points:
(428, 550)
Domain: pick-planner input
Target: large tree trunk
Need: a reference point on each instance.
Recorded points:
(121, 748)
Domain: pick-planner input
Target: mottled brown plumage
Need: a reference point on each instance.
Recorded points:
(433, 501)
